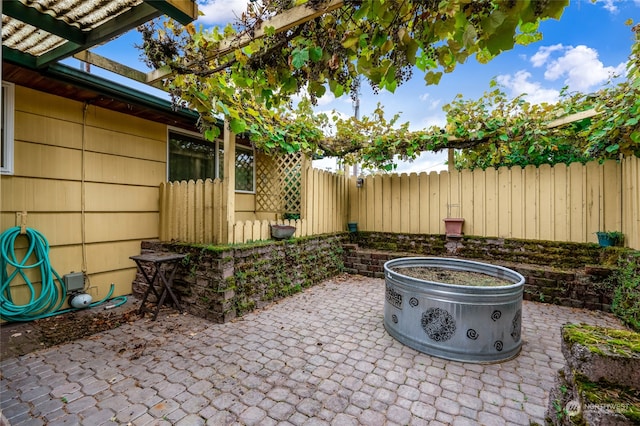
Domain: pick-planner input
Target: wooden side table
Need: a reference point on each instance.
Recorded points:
(161, 264)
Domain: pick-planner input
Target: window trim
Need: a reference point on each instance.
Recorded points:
(8, 117)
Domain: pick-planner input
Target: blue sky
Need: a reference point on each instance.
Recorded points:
(581, 51)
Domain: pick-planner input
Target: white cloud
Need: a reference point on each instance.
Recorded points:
(519, 83)
(438, 119)
(432, 103)
(426, 162)
(542, 55)
(610, 5)
(326, 99)
(581, 68)
(221, 11)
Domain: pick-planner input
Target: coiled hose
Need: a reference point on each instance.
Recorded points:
(45, 302)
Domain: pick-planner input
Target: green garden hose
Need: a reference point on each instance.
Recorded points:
(50, 297)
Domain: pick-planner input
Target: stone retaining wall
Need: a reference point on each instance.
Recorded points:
(567, 274)
(221, 283)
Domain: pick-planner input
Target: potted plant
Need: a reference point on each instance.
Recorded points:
(610, 238)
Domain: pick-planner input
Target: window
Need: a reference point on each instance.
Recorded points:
(245, 169)
(6, 147)
(192, 157)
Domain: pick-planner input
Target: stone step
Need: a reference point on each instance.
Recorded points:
(602, 354)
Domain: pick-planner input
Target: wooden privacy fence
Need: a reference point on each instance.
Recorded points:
(193, 212)
(559, 203)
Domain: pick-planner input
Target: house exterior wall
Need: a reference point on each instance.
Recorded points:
(245, 206)
(111, 210)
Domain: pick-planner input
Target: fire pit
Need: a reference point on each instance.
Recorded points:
(474, 321)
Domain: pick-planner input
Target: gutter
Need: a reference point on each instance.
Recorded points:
(116, 90)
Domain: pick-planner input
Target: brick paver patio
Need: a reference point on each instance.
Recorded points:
(319, 357)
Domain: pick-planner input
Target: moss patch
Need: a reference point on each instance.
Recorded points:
(621, 399)
(603, 340)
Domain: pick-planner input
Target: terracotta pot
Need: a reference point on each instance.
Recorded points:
(453, 226)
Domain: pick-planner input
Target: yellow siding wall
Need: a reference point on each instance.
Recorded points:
(123, 162)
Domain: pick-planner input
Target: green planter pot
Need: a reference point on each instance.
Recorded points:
(608, 239)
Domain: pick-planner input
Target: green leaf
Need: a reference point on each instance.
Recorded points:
(503, 137)
(555, 8)
(315, 54)
(635, 136)
(469, 36)
(317, 88)
(495, 19)
(612, 148)
(270, 31)
(336, 88)
(379, 39)
(223, 108)
(529, 27)
(237, 125)
(433, 77)
(289, 84)
(212, 133)
(502, 39)
(362, 11)
(299, 57)
(411, 50)
(351, 41)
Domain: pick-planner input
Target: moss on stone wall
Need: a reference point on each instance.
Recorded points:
(603, 340)
(222, 282)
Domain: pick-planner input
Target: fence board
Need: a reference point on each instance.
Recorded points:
(491, 203)
(504, 202)
(427, 197)
(529, 208)
(395, 195)
(577, 202)
(593, 212)
(464, 206)
(561, 211)
(443, 187)
(612, 196)
(413, 204)
(546, 205)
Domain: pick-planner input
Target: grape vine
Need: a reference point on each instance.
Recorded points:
(382, 40)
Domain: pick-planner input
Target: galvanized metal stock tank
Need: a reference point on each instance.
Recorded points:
(457, 322)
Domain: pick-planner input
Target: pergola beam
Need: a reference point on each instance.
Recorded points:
(111, 65)
(281, 22)
(573, 117)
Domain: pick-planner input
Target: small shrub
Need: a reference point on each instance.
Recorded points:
(626, 296)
